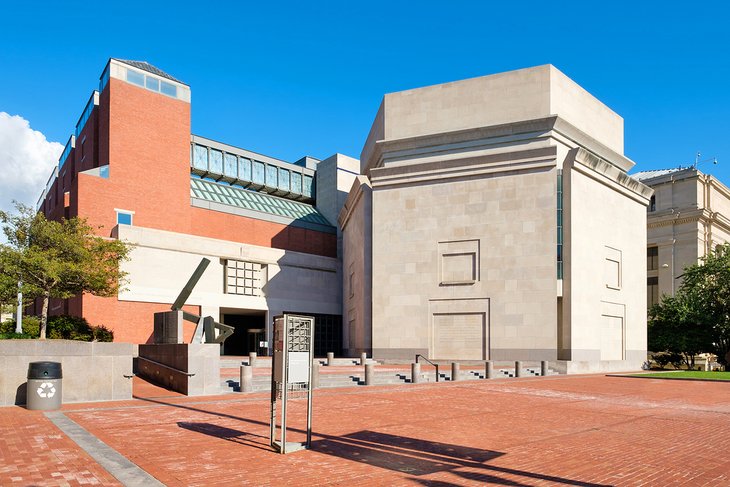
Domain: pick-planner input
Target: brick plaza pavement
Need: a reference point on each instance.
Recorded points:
(574, 431)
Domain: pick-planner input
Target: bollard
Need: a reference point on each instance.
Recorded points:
(363, 358)
(518, 368)
(252, 359)
(369, 370)
(454, 371)
(489, 370)
(315, 374)
(544, 368)
(330, 358)
(246, 378)
(415, 373)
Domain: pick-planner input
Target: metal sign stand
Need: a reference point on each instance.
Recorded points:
(291, 377)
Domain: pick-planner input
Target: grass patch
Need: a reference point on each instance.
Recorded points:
(688, 374)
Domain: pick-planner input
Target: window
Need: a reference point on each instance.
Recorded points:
(168, 89)
(652, 258)
(124, 217)
(652, 204)
(83, 149)
(612, 268)
(216, 161)
(200, 157)
(135, 77)
(652, 291)
(244, 278)
(151, 83)
(560, 224)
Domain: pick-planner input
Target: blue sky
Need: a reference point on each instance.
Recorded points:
(289, 79)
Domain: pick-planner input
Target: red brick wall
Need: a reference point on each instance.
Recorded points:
(131, 321)
(145, 139)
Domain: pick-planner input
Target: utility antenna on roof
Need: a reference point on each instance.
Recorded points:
(698, 161)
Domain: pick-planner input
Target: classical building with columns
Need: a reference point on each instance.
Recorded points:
(494, 219)
(688, 216)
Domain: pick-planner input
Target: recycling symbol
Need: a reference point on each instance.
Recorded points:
(46, 390)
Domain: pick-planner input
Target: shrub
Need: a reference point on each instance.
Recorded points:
(102, 334)
(31, 327)
(69, 328)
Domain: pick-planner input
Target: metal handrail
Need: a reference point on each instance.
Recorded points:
(189, 374)
(427, 360)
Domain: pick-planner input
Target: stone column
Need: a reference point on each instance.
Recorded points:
(454, 371)
(363, 358)
(330, 358)
(544, 368)
(246, 377)
(518, 368)
(252, 359)
(369, 372)
(415, 373)
(489, 370)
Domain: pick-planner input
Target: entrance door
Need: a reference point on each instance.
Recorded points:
(248, 332)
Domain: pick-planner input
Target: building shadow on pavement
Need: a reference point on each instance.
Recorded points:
(421, 457)
(228, 434)
(410, 456)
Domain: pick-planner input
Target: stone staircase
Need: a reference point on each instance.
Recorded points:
(347, 372)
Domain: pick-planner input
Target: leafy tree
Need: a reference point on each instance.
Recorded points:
(707, 287)
(58, 259)
(697, 318)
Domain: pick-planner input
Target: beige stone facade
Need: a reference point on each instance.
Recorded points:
(469, 193)
(688, 216)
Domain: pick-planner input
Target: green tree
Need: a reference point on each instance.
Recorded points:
(707, 286)
(697, 318)
(58, 259)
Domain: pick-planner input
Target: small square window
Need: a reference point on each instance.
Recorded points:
(124, 217)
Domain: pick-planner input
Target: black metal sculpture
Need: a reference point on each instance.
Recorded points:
(204, 326)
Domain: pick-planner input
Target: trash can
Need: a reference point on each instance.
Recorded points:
(44, 386)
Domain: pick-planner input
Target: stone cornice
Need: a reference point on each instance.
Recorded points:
(694, 215)
(609, 175)
(384, 152)
(358, 188)
(540, 158)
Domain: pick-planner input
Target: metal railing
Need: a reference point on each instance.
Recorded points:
(427, 360)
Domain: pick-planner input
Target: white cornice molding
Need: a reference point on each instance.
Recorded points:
(609, 175)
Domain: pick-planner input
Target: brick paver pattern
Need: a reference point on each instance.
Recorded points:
(574, 430)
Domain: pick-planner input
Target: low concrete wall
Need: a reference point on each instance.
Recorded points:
(595, 367)
(92, 371)
(168, 365)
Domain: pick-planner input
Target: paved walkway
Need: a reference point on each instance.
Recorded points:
(574, 431)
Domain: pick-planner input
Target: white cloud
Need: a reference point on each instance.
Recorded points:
(27, 159)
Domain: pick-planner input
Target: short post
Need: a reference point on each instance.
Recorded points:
(330, 358)
(246, 378)
(369, 370)
(415, 373)
(489, 370)
(454, 371)
(315, 374)
(252, 359)
(518, 368)
(544, 368)
(363, 358)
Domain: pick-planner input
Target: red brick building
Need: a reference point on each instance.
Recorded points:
(133, 169)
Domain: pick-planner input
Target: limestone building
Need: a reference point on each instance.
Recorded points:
(494, 219)
(688, 216)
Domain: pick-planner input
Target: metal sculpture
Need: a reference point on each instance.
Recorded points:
(205, 327)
